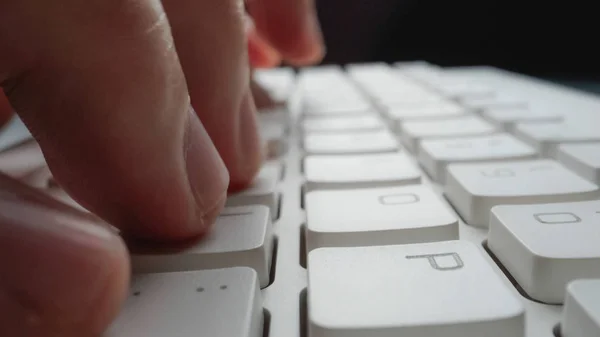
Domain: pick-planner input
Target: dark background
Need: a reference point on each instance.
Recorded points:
(556, 40)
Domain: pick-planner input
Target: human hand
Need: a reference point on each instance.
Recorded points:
(146, 122)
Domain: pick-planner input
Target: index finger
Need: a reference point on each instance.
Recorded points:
(291, 26)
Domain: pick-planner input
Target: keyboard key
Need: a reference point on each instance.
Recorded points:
(583, 158)
(412, 132)
(441, 289)
(241, 237)
(279, 82)
(508, 118)
(379, 141)
(464, 90)
(397, 114)
(377, 216)
(498, 102)
(436, 154)
(368, 122)
(360, 171)
(547, 136)
(22, 159)
(273, 134)
(474, 189)
(263, 191)
(544, 247)
(581, 314)
(215, 303)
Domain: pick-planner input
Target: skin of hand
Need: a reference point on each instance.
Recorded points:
(144, 114)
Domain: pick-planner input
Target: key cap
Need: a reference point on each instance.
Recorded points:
(412, 132)
(215, 303)
(547, 136)
(262, 191)
(336, 105)
(241, 237)
(507, 119)
(274, 137)
(436, 154)
(22, 159)
(498, 102)
(360, 171)
(279, 82)
(441, 289)
(474, 189)
(427, 111)
(544, 247)
(581, 314)
(463, 89)
(368, 122)
(583, 158)
(378, 141)
(377, 216)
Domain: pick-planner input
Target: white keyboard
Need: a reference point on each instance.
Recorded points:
(404, 200)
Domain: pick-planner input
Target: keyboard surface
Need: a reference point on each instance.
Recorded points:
(398, 200)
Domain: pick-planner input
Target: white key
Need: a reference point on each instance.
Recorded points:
(441, 289)
(274, 137)
(474, 189)
(360, 171)
(436, 154)
(544, 247)
(279, 82)
(583, 158)
(581, 314)
(508, 118)
(547, 136)
(377, 216)
(498, 102)
(430, 111)
(241, 237)
(215, 303)
(22, 159)
(262, 191)
(462, 90)
(412, 132)
(378, 141)
(336, 106)
(370, 122)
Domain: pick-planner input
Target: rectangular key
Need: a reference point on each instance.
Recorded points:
(583, 158)
(360, 171)
(215, 303)
(367, 122)
(581, 314)
(22, 159)
(497, 102)
(547, 136)
(377, 141)
(441, 289)
(241, 237)
(508, 118)
(474, 189)
(398, 114)
(262, 191)
(436, 154)
(377, 216)
(544, 247)
(279, 82)
(412, 132)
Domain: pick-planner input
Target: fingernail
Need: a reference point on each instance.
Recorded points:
(250, 146)
(56, 260)
(207, 174)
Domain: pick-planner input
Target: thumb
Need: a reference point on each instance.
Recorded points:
(64, 273)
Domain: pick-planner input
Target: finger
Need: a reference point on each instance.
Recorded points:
(211, 43)
(5, 109)
(102, 90)
(260, 52)
(291, 26)
(64, 273)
